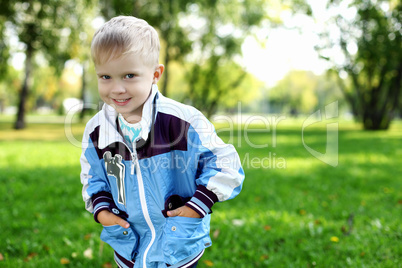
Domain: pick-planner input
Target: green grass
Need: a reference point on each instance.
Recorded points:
(294, 210)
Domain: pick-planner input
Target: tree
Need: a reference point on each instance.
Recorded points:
(4, 50)
(219, 34)
(174, 21)
(212, 87)
(303, 92)
(46, 26)
(371, 43)
(8, 82)
(295, 93)
(209, 34)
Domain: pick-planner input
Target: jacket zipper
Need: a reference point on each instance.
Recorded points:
(133, 157)
(135, 169)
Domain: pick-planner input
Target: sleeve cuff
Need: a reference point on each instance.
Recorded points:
(202, 201)
(101, 201)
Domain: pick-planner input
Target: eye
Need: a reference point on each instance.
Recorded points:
(104, 77)
(129, 76)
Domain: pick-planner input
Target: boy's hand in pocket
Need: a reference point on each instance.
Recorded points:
(183, 211)
(106, 218)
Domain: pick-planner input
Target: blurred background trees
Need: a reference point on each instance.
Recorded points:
(303, 92)
(205, 37)
(202, 43)
(48, 32)
(370, 75)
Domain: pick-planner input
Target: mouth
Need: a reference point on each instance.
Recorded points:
(121, 102)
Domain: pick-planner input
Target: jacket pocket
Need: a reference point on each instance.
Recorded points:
(184, 237)
(123, 241)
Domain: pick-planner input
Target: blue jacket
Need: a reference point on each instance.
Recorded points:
(178, 154)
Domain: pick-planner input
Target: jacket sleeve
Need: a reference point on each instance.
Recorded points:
(219, 172)
(96, 191)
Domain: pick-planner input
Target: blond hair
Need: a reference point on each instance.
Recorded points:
(122, 35)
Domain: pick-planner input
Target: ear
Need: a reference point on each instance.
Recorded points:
(158, 73)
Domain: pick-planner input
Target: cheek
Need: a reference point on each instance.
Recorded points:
(103, 92)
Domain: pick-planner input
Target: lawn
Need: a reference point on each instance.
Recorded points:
(294, 210)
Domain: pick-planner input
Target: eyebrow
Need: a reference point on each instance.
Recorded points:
(122, 72)
(102, 74)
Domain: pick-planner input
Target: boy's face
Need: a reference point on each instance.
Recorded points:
(125, 84)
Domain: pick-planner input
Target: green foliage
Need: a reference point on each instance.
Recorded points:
(4, 50)
(301, 214)
(8, 86)
(303, 92)
(39, 25)
(212, 87)
(212, 30)
(47, 26)
(375, 69)
(214, 75)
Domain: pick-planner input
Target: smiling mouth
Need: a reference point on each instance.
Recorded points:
(121, 102)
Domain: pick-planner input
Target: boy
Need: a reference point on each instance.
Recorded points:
(151, 167)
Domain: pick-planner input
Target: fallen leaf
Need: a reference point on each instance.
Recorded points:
(400, 201)
(302, 212)
(343, 229)
(208, 263)
(264, 257)
(64, 261)
(88, 253)
(267, 227)
(334, 239)
(30, 256)
(1, 257)
(107, 265)
(216, 233)
(317, 222)
(362, 254)
(87, 236)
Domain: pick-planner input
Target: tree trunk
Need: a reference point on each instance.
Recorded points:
(166, 71)
(20, 122)
(83, 90)
(376, 121)
(378, 116)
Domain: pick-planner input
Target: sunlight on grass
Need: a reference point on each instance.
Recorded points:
(40, 132)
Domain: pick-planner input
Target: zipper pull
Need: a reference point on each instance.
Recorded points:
(134, 157)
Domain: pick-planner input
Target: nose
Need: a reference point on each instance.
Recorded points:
(118, 88)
